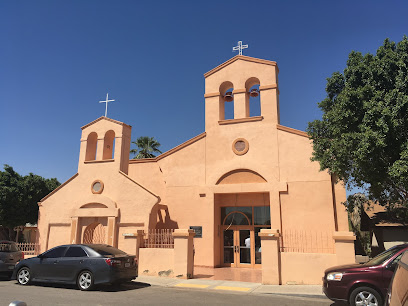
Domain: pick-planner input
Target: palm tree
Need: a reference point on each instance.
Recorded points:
(146, 146)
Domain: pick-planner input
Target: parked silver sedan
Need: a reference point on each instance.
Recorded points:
(10, 255)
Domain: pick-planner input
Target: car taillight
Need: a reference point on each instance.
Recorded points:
(135, 260)
(112, 262)
(22, 255)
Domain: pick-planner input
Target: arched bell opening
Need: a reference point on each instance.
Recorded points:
(108, 145)
(91, 143)
(253, 97)
(226, 101)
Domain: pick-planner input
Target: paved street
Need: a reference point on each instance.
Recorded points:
(142, 294)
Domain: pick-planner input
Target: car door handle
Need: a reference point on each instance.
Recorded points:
(55, 262)
(81, 261)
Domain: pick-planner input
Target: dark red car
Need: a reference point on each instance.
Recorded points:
(363, 284)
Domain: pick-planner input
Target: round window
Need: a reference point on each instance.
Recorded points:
(240, 146)
(97, 187)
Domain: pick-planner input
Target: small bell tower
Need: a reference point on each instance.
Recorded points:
(237, 81)
(105, 142)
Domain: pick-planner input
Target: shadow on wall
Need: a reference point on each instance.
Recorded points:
(160, 218)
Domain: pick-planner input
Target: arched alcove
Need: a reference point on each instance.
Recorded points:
(91, 143)
(241, 176)
(94, 233)
(94, 205)
(226, 104)
(108, 145)
(253, 97)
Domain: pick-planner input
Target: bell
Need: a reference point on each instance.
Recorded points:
(228, 97)
(254, 93)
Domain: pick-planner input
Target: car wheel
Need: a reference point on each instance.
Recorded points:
(365, 296)
(24, 276)
(85, 280)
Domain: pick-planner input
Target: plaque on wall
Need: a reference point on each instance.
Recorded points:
(198, 231)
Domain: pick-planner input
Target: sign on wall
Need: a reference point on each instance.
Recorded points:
(198, 231)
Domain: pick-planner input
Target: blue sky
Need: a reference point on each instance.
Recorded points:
(59, 58)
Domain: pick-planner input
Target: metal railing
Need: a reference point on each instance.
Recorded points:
(29, 248)
(159, 238)
(302, 241)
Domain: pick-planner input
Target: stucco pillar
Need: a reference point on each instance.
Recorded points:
(183, 253)
(74, 231)
(112, 239)
(274, 202)
(344, 246)
(139, 241)
(99, 149)
(339, 197)
(241, 105)
(269, 103)
(270, 256)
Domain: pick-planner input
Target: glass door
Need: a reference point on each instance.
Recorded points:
(229, 247)
(238, 247)
(244, 247)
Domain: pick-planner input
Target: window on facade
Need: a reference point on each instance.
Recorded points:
(75, 252)
(240, 215)
(236, 218)
(262, 215)
(55, 253)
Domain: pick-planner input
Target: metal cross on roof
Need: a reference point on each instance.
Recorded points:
(106, 101)
(239, 47)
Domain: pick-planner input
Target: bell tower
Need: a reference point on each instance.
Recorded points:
(106, 142)
(237, 81)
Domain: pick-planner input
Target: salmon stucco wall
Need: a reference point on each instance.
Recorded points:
(305, 268)
(156, 262)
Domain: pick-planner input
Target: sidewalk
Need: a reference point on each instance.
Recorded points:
(243, 287)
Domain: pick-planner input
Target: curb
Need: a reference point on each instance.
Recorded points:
(310, 291)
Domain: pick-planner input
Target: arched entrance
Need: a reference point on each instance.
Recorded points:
(94, 233)
(242, 216)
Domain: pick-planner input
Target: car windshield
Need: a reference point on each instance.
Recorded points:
(107, 250)
(8, 247)
(380, 258)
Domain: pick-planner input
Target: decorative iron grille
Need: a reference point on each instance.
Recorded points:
(302, 241)
(159, 238)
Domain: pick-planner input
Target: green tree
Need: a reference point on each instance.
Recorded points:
(19, 196)
(363, 134)
(146, 147)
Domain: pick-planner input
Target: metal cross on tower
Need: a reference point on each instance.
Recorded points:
(107, 101)
(239, 47)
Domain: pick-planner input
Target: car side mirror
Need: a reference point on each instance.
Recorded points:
(392, 266)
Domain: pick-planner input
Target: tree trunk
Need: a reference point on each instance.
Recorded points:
(18, 232)
(11, 234)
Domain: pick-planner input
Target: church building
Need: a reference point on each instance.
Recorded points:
(246, 185)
